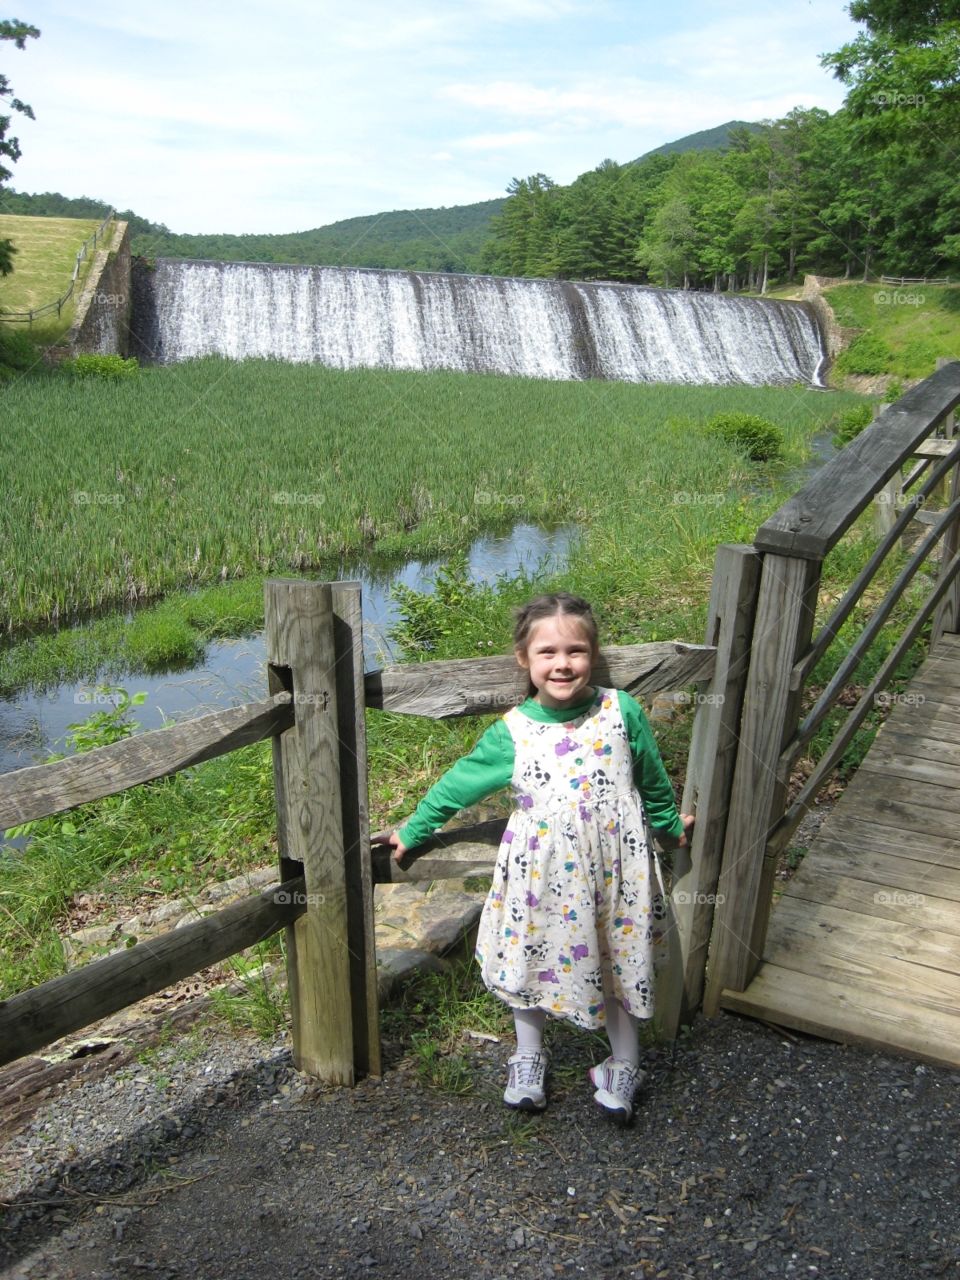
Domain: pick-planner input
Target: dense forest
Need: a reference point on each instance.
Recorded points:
(872, 188)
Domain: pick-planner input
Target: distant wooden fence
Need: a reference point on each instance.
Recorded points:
(789, 551)
(57, 305)
(901, 280)
(324, 896)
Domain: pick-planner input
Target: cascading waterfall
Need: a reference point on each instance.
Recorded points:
(352, 317)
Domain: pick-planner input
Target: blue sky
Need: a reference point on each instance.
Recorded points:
(280, 117)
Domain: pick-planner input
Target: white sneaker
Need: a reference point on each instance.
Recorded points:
(616, 1084)
(525, 1081)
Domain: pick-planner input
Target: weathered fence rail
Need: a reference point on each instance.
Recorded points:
(58, 304)
(314, 718)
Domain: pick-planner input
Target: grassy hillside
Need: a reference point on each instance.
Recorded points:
(46, 251)
(898, 331)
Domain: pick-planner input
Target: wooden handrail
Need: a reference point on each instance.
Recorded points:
(478, 686)
(810, 523)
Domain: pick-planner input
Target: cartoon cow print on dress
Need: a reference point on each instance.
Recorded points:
(584, 889)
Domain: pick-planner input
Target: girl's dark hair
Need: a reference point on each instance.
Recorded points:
(562, 603)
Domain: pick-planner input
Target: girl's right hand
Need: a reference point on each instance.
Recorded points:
(391, 838)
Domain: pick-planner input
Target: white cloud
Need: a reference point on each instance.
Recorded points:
(496, 141)
(309, 111)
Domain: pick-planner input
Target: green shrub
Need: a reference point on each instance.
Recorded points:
(18, 353)
(17, 348)
(851, 422)
(102, 367)
(761, 439)
(893, 392)
(867, 355)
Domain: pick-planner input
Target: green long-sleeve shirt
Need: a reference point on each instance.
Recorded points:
(489, 767)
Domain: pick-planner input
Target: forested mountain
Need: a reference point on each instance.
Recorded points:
(715, 139)
(414, 239)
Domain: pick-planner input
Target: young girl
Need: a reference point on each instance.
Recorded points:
(576, 911)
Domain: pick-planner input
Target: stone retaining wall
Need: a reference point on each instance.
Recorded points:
(102, 321)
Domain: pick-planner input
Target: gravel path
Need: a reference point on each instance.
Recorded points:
(755, 1153)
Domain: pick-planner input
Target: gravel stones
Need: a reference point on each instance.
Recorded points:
(754, 1153)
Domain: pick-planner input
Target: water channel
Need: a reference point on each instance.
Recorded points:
(232, 671)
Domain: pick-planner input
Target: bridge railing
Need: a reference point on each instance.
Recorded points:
(797, 622)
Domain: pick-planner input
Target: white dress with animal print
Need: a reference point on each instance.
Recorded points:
(576, 911)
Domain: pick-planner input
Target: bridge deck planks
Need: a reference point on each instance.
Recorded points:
(864, 944)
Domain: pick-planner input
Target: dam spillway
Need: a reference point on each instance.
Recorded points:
(349, 318)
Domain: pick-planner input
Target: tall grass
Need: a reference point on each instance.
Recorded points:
(119, 492)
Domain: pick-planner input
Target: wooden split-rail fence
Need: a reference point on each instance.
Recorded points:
(755, 718)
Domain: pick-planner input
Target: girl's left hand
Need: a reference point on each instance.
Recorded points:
(688, 821)
(391, 838)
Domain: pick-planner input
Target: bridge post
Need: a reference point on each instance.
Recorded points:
(710, 766)
(782, 632)
(947, 615)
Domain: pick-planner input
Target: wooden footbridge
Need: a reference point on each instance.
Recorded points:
(864, 943)
(807, 634)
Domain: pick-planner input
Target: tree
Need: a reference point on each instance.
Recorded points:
(19, 32)
(903, 72)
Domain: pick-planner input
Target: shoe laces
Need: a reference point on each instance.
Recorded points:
(622, 1077)
(529, 1068)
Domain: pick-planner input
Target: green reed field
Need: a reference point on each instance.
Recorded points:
(211, 471)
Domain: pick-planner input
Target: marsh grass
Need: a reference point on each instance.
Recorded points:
(121, 492)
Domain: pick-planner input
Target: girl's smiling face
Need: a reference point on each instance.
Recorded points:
(559, 655)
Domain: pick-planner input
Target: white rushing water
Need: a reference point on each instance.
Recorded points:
(348, 318)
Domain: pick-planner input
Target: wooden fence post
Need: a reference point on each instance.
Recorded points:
(782, 632)
(710, 766)
(351, 710)
(301, 651)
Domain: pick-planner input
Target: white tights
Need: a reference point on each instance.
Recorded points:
(621, 1030)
